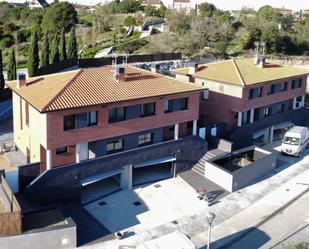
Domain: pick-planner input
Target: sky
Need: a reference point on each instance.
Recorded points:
(226, 4)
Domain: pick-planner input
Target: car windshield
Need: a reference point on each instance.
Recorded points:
(291, 140)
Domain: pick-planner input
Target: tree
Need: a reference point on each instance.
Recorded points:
(1, 72)
(33, 57)
(11, 66)
(207, 9)
(130, 6)
(58, 16)
(72, 45)
(63, 53)
(270, 35)
(45, 52)
(267, 13)
(54, 50)
(150, 10)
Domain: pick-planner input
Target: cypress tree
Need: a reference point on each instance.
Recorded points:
(11, 66)
(1, 72)
(72, 44)
(63, 53)
(54, 50)
(33, 57)
(45, 52)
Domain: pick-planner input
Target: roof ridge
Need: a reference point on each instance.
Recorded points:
(62, 89)
(238, 71)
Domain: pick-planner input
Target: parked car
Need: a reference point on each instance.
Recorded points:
(295, 141)
(174, 240)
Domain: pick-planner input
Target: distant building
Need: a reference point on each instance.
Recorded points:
(237, 13)
(305, 13)
(154, 3)
(284, 11)
(182, 5)
(83, 8)
(35, 4)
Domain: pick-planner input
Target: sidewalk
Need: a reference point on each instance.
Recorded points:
(237, 211)
(227, 232)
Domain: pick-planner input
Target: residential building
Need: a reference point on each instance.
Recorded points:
(99, 122)
(154, 3)
(305, 13)
(251, 97)
(284, 11)
(182, 5)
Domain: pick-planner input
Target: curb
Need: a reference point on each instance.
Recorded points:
(267, 218)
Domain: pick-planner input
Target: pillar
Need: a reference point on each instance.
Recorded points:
(49, 160)
(294, 103)
(176, 132)
(194, 131)
(271, 134)
(266, 136)
(303, 101)
(251, 116)
(239, 119)
(126, 177)
(77, 153)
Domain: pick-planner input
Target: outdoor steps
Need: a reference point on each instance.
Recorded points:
(199, 167)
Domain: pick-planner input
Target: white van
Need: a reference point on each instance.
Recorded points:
(295, 141)
(174, 240)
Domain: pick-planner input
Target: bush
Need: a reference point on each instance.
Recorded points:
(6, 41)
(23, 35)
(9, 28)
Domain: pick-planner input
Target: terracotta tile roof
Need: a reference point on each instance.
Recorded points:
(243, 72)
(96, 86)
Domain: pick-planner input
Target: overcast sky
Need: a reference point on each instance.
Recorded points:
(226, 4)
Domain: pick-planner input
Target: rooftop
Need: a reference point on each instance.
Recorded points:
(243, 71)
(94, 86)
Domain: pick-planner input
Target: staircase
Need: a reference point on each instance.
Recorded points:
(199, 167)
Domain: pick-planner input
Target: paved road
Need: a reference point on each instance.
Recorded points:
(278, 230)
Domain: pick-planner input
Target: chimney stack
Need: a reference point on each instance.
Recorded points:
(193, 68)
(21, 80)
(155, 68)
(120, 72)
(260, 61)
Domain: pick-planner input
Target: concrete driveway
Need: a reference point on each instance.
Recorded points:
(146, 206)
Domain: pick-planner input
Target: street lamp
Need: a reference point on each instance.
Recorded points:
(210, 218)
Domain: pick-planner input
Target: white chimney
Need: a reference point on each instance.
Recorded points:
(259, 60)
(193, 68)
(21, 80)
(155, 68)
(120, 73)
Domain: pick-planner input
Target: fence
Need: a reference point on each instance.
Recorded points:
(98, 62)
(10, 220)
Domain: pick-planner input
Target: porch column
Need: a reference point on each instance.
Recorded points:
(271, 134)
(294, 103)
(251, 115)
(194, 131)
(126, 177)
(77, 153)
(303, 101)
(239, 119)
(49, 160)
(176, 132)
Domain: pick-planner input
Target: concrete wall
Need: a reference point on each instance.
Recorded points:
(233, 181)
(57, 237)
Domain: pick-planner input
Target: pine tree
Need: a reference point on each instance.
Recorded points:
(72, 44)
(63, 53)
(45, 52)
(1, 72)
(11, 66)
(33, 57)
(54, 50)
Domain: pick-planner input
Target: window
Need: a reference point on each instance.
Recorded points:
(296, 83)
(281, 108)
(145, 139)
(92, 118)
(267, 111)
(284, 86)
(271, 89)
(114, 146)
(27, 113)
(116, 114)
(168, 105)
(205, 95)
(61, 150)
(148, 109)
(255, 93)
(69, 122)
(184, 103)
